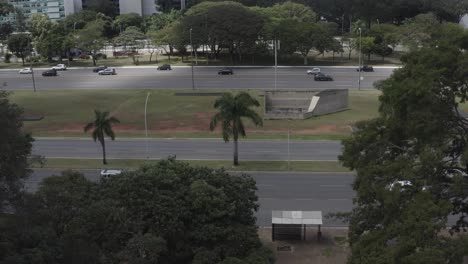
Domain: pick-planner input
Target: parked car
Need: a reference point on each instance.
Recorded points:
(60, 67)
(107, 71)
(99, 68)
(108, 173)
(164, 67)
(225, 71)
(322, 77)
(313, 71)
(50, 73)
(25, 71)
(366, 68)
(402, 184)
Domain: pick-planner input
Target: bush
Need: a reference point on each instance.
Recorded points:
(8, 57)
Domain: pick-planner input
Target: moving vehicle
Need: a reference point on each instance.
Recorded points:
(99, 68)
(60, 67)
(50, 73)
(225, 71)
(322, 77)
(396, 183)
(365, 68)
(107, 71)
(313, 71)
(25, 71)
(164, 67)
(109, 173)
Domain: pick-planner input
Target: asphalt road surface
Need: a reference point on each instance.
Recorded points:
(204, 78)
(326, 192)
(188, 149)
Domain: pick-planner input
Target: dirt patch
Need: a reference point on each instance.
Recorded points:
(331, 249)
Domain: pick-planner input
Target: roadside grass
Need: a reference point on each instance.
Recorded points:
(297, 166)
(170, 116)
(326, 59)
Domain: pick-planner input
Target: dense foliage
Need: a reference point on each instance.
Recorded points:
(167, 212)
(15, 147)
(420, 136)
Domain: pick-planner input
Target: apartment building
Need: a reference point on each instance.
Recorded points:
(58, 9)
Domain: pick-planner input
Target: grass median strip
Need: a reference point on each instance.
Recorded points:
(308, 166)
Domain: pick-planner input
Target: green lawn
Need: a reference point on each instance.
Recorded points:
(66, 112)
(310, 166)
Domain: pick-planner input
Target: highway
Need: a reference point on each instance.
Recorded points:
(188, 149)
(204, 78)
(326, 192)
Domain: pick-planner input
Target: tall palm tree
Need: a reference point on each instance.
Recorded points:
(102, 127)
(231, 111)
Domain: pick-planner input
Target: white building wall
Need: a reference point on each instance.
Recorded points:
(464, 21)
(149, 7)
(131, 6)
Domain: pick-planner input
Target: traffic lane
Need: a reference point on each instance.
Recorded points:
(181, 79)
(190, 149)
(297, 198)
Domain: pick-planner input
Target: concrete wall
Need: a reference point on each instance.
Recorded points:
(149, 7)
(280, 104)
(131, 6)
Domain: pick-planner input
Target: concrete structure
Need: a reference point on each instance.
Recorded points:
(288, 225)
(286, 104)
(464, 21)
(54, 9)
(141, 7)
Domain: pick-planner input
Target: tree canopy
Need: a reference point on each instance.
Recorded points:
(419, 136)
(167, 212)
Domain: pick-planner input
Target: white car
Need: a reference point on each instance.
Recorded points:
(107, 71)
(109, 173)
(313, 71)
(60, 67)
(25, 71)
(402, 184)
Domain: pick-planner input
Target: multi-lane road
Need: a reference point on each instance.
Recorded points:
(326, 192)
(204, 78)
(188, 149)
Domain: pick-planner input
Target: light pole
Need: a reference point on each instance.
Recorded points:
(191, 45)
(360, 52)
(289, 152)
(31, 60)
(146, 124)
(276, 61)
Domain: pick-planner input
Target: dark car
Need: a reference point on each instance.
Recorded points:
(366, 68)
(226, 71)
(99, 68)
(323, 77)
(164, 67)
(50, 73)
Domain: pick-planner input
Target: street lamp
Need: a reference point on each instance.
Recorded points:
(289, 152)
(146, 124)
(360, 52)
(31, 61)
(191, 45)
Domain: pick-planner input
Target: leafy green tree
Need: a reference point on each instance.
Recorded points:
(157, 22)
(167, 38)
(91, 38)
(367, 46)
(102, 127)
(419, 136)
(132, 36)
(15, 147)
(20, 45)
(20, 20)
(122, 22)
(78, 20)
(5, 7)
(231, 111)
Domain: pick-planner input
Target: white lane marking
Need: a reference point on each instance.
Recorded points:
(338, 199)
(267, 151)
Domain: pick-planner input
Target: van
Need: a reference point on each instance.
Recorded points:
(108, 173)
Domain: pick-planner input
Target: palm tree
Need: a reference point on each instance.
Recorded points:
(231, 111)
(102, 127)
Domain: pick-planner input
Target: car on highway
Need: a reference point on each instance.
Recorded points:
(25, 71)
(60, 67)
(366, 68)
(107, 71)
(322, 77)
(109, 173)
(99, 68)
(50, 73)
(225, 71)
(164, 67)
(313, 71)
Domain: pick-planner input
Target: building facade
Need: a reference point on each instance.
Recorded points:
(58, 9)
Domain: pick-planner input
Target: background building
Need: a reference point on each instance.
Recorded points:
(141, 7)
